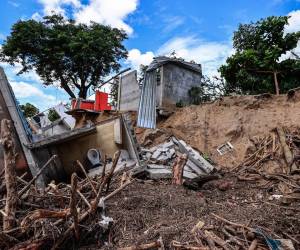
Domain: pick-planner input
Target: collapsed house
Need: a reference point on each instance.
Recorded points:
(67, 138)
(95, 127)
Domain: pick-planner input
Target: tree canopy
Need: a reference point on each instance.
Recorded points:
(73, 56)
(29, 109)
(257, 65)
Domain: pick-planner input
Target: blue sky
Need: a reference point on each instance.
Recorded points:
(199, 30)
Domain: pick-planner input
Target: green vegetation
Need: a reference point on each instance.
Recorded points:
(76, 56)
(29, 110)
(255, 67)
(53, 115)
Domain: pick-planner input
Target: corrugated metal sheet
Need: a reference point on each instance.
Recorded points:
(147, 105)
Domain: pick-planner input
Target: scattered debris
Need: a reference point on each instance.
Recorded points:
(225, 148)
(173, 195)
(48, 218)
(161, 161)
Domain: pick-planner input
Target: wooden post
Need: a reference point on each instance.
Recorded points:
(178, 169)
(276, 82)
(10, 174)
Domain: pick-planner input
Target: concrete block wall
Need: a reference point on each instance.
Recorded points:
(176, 82)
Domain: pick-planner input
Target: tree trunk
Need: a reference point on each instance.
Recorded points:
(276, 82)
(68, 90)
(66, 87)
(10, 173)
(83, 92)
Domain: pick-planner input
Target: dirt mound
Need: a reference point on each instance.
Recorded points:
(236, 119)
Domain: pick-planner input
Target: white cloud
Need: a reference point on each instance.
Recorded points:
(172, 23)
(293, 26)
(294, 21)
(56, 6)
(15, 4)
(136, 58)
(210, 54)
(37, 16)
(12, 71)
(108, 12)
(24, 90)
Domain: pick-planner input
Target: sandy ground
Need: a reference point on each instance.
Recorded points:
(235, 119)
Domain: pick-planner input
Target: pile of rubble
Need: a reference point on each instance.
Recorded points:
(160, 160)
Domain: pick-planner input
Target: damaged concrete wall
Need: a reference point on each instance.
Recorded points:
(129, 92)
(76, 149)
(176, 82)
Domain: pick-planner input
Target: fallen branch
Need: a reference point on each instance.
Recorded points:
(178, 245)
(113, 167)
(155, 244)
(36, 176)
(232, 223)
(42, 214)
(117, 190)
(86, 175)
(94, 203)
(253, 245)
(73, 202)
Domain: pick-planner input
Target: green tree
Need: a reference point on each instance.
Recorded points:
(29, 110)
(256, 66)
(53, 115)
(75, 56)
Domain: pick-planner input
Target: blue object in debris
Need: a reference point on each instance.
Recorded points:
(272, 244)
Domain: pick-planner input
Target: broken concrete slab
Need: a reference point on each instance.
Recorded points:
(153, 149)
(120, 166)
(168, 145)
(194, 168)
(189, 175)
(194, 156)
(165, 172)
(159, 173)
(156, 166)
(156, 155)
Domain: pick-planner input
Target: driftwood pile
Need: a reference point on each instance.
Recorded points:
(275, 160)
(32, 218)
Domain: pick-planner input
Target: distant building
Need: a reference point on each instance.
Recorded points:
(167, 82)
